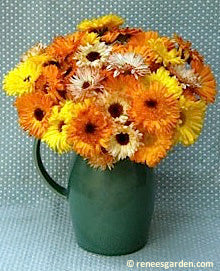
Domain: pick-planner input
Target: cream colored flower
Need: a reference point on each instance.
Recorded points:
(116, 105)
(187, 77)
(93, 55)
(35, 50)
(124, 142)
(85, 83)
(127, 63)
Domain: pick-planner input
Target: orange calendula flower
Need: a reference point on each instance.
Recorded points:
(89, 129)
(120, 35)
(121, 84)
(184, 46)
(67, 70)
(112, 93)
(154, 109)
(207, 85)
(34, 110)
(189, 94)
(142, 38)
(195, 58)
(50, 84)
(63, 46)
(154, 149)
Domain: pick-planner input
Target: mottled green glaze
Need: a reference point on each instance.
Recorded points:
(111, 210)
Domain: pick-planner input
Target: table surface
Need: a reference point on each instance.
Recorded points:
(35, 229)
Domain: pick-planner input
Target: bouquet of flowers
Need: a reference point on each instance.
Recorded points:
(110, 93)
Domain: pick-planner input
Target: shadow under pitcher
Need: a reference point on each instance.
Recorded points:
(111, 210)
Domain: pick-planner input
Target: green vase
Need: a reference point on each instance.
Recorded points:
(111, 210)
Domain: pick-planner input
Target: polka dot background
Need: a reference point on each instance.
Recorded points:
(35, 228)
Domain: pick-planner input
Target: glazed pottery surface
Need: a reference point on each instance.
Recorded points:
(111, 210)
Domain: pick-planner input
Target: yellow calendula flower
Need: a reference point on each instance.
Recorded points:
(40, 59)
(90, 38)
(56, 134)
(21, 79)
(191, 121)
(161, 54)
(101, 24)
(163, 76)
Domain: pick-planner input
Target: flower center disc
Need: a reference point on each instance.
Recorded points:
(151, 103)
(115, 110)
(90, 128)
(183, 118)
(92, 56)
(123, 38)
(38, 114)
(62, 93)
(85, 85)
(60, 126)
(122, 139)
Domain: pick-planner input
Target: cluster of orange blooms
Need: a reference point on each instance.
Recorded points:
(111, 93)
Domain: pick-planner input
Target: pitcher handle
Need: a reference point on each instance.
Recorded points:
(60, 190)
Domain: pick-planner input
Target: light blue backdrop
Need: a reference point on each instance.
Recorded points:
(35, 228)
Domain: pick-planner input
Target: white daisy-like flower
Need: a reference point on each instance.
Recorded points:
(127, 63)
(35, 50)
(185, 75)
(93, 55)
(85, 83)
(124, 142)
(115, 105)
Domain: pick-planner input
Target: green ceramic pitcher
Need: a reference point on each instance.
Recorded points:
(111, 210)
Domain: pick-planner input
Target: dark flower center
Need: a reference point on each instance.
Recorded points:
(92, 56)
(154, 66)
(122, 138)
(67, 72)
(39, 114)
(183, 118)
(127, 123)
(45, 87)
(123, 38)
(60, 126)
(100, 31)
(90, 128)
(104, 151)
(115, 110)
(127, 72)
(27, 79)
(62, 93)
(52, 62)
(85, 85)
(98, 90)
(151, 103)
